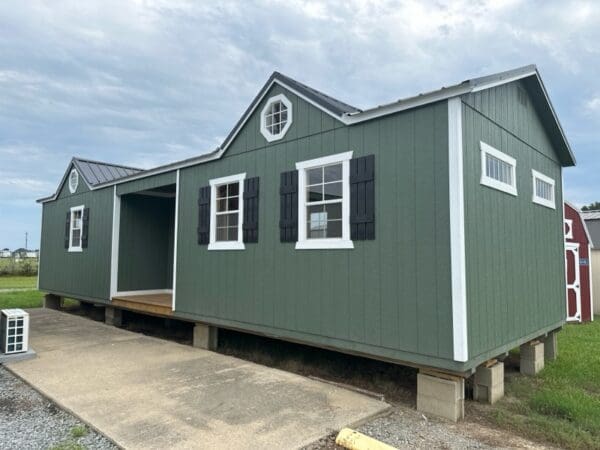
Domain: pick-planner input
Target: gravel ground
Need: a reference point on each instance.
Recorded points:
(30, 421)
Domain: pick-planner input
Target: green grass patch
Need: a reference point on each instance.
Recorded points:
(21, 299)
(78, 431)
(18, 282)
(562, 404)
(68, 445)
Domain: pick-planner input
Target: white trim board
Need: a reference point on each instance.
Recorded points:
(114, 253)
(457, 231)
(143, 292)
(176, 231)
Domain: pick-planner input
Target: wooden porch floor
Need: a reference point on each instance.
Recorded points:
(159, 304)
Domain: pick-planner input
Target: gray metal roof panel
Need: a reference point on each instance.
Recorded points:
(96, 172)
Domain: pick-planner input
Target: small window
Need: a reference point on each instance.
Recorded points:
(76, 229)
(324, 202)
(227, 213)
(73, 181)
(543, 190)
(498, 170)
(276, 118)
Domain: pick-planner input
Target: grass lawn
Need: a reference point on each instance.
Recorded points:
(21, 299)
(17, 282)
(562, 404)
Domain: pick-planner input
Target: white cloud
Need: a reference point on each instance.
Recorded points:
(151, 81)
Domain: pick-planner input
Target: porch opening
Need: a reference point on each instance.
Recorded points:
(146, 250)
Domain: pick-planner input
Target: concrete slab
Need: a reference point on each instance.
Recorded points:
(144, 392)
(13, 357)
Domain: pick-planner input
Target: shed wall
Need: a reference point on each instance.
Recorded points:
(83, 274)
(514, 248)
(389, 297)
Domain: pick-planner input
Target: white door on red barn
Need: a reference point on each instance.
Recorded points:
(573, 282)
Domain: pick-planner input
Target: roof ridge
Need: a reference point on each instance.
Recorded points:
(305, 86)
(76, 158)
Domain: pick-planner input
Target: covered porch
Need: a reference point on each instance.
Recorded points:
(144, 245)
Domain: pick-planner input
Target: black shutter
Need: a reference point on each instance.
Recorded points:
(250, 226)
(362, 198)
(68, 230)
(288, 214)
(85, 225)
(204, 215)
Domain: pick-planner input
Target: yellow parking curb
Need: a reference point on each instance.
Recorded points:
(353, 440)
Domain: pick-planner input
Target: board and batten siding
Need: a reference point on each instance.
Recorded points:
(509, 240)
(85, 274)
(389, 298)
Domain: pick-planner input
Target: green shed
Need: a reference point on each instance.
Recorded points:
(427, 231)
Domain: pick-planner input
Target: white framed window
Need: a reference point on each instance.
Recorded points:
(227, 213)
(73, 181)
(276, 118)
(76, 228)
(498, 170)
(543, 189)
(324, 202)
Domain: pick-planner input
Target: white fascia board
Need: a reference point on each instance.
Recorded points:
(457, 231)
(500, 82)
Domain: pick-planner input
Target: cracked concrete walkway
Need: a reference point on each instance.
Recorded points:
(145, 393)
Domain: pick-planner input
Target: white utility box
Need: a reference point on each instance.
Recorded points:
(14, 331)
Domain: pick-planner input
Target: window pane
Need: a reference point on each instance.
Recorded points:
(334, 229)
(233, 189)
(232, 234)
(221, 220)
(314, 193)
(276, 129)
(222, 191)
(284, 116)
(499, 170)
(232, 220)
(222, 234)
(221, 205)
(75, 241)
(334, 211)
(333, 173)
(333, 191)
(233, 204)
(315, 176)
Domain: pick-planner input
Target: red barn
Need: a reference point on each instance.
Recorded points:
(578, 258)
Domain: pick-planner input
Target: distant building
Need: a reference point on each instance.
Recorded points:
(22, 253)
(5, 253)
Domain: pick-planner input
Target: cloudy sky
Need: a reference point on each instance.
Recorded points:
(148, 82)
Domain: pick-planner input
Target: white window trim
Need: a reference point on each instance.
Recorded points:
(73, 189)
(228, 245)
(326, 243)
(491, 182)
(535, 175)
(263, 123)
(569, 223)
(73, 248)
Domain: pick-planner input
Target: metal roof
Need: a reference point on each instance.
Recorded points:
(96, 172)
(590, 215)
(350, 115)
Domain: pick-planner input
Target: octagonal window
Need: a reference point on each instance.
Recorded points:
(276, 118)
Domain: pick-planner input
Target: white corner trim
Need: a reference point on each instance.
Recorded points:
(535, 175)
(457, 231)
(114, 252)
(491, 182)
(591, 273)
(344, 242)
(226, 245)
(72, 248)
(176, 231)
(40, 250)
(263, 124)
(73, 187)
